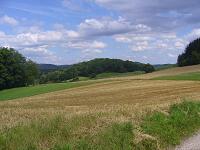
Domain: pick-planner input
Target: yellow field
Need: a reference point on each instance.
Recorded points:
(115, 100)
(120, 94)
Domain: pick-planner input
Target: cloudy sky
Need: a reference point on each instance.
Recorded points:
(70, 31)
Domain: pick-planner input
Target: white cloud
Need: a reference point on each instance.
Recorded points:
(152, 41)
(37, 43)
(96, 51)
(8, 20)
(165, 14)
(108, 27)
(41, 54)
(172, 55)
(85, 45)
(195, 33)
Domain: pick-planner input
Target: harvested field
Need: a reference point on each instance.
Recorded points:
(128, 96)
(89, 110)
(169, 72)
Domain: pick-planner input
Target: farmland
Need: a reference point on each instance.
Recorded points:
(107, 105)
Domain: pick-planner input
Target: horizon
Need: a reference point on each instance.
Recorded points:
(97, 58)
(65, 32)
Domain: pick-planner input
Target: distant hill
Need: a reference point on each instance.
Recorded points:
(164, 66)
(51, 67)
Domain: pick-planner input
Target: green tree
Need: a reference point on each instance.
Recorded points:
(191, 55)
(32, 72)
(15, 70)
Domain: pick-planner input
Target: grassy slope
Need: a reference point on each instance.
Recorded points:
(61, 134)
(164, 66)
(169, 72)
(159, 75)
(39, 89)
(46, 88)
(195, 76)
(114, 75)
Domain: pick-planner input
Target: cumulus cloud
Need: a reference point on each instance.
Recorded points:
(85, 45)
(37, 43)
(165, 14)
(8, 20)
(195, 33)
(152, 41)
(107, 27)
(41, 54)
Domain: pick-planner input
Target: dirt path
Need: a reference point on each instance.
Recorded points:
(192, 143)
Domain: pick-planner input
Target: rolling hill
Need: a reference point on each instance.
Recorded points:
(104, 110)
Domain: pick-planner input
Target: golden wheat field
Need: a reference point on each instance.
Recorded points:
(120, 99)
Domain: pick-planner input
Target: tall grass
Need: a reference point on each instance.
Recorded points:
(169, 129)
(59, 134)
(77, 133)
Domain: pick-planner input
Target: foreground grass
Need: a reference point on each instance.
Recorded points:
(39, 89)
(80, 132)
(59, 134)
(181, 121)
(195, 76)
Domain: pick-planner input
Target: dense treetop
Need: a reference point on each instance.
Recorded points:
(191, 55)
(15, 70)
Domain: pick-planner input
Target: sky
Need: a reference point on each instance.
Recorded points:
(71, 31)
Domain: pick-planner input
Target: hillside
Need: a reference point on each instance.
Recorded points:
(93, 68)
(114, 108)
(51, 67)
(164, 66)
(169, 72)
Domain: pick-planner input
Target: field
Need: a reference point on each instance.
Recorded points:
(46, 88)
(187, 76)
(38, 89)
(111, 75)
(94, 111)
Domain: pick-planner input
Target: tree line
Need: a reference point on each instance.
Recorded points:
(94, 67)
(17, 71)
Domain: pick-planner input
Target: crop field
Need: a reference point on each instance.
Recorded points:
(186, 76)
(89, 109)
(39, 89)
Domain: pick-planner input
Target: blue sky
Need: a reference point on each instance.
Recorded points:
(70, 31)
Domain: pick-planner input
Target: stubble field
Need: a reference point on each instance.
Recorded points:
(97, 106)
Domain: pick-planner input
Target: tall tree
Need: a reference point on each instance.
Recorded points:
(15, 70)
(191, 55)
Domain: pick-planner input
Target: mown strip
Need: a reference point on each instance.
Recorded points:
(40, 89)
(195, 76)
(22, 92)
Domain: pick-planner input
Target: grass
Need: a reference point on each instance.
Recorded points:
(164, 66)
(22, 92)
(114, 75)
(195, 76)
(182, 121)
(60, 133)
(39, 89)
